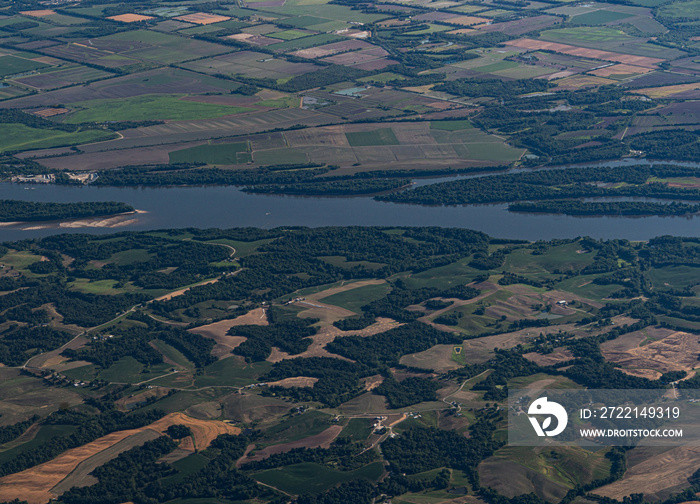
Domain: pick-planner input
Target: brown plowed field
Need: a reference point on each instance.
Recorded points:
(537, 45)
(322, 440)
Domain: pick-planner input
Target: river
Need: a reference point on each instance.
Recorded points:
(225, 207)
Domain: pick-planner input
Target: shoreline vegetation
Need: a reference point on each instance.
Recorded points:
(624, 208)
(12, 211)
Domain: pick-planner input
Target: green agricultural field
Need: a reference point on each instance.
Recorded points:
(597, 36)
(308, 477)
(10, 65)
(19, 260)
(129, 370)
(354, 299)
(583, 286)
(185, 467)
(96, 287)
(288, 34)
(599, 17)
(455, 125)
(242, 248)
(147, 107)
(495, 67)
(358, 429)
(298, 427)
(284, 102)
(18, 137)
(432, 28)
(444, 277)
(233, 372)
(173, 354)
(382, 136)
(218, 154)
(130, 256)
(673, 277)
(567, 257)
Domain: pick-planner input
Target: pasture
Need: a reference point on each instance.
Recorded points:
(309, 477)
(354, 298)
(382, 136)
(18, 137)
(599, 17)
(147, 107)
(232, 371)
(548, 472)
(11, 65)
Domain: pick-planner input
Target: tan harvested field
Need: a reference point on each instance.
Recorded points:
(202, 18)
(438, 358)
(80, 476)
(333, 136)
(328, 333)
(551, 359)
(327, 313)
(38, 13)
(180, 292)
(620, 69)
(628, 59)
(130, 18)
(50, 112)
(218, 331)
(297, 381)
(372, 382)
(481, 349)
(249, 38)
(158, 154)
(413, 134)
(203, 431)
(35, 485)
(677, 351)
(666, 91)
(656, 474)
(649, 374)
(322, 440)
(463, 31)
(467, 20)
(53, 359)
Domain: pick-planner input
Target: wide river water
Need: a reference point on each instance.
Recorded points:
(225, 207)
